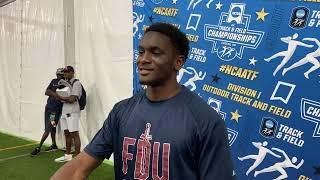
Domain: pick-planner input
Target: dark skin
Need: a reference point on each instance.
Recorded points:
(70, 135)
(49, 92)
(158, 64)
(70, 99)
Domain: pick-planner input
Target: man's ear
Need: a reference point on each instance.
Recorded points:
(179, 62)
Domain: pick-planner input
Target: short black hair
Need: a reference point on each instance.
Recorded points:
(177, 37)
(68, 69)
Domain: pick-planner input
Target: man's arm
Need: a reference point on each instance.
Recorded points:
(75, 93)
(50, 91)
(78, 168)
(69, 99)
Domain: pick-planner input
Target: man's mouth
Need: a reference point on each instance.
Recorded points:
(144, 71)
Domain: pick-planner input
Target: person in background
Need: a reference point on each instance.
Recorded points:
(70, 117)
(165, 132)
(52, 114)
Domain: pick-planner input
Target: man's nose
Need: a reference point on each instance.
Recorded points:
(144, 57)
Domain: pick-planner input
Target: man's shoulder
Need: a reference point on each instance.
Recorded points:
(55, 80)
(128, 102)
(75, 81)
(192, 99)
(198, 107)
(76, 84)
(133, 98)
(53, 83)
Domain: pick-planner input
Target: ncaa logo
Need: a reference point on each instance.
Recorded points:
(299, 17)
(268, 127)
(236, 12)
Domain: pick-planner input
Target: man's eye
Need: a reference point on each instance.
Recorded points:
(140, 52)
(156, 52)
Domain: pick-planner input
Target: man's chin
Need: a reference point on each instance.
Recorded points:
(145, 82)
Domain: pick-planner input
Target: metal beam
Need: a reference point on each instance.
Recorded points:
(69, 32)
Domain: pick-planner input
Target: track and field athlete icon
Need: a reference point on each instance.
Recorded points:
(292, 45)
(263, 151)
(280, 166)
(309, 58)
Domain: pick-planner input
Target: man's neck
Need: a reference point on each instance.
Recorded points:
(160, 93)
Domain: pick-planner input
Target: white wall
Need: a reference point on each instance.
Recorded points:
(32, 35)
(10, 67)
(103, 53)
(31, 38)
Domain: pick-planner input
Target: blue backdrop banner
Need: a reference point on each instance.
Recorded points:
(256, 62)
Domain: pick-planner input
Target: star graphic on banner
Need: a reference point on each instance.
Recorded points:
(219, 5)
(215, 78)
(139, 36)
(235, 116)
(174, 1)
(252, 61)
(317, 170)
(261, 14)
(151, 18)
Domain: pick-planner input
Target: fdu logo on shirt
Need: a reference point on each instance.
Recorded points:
(142, 159)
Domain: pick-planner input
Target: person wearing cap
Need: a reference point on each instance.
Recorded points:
(53, 108)
(70, 117)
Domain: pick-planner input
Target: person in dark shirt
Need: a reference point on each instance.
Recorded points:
(167, 131)
(52, 114)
